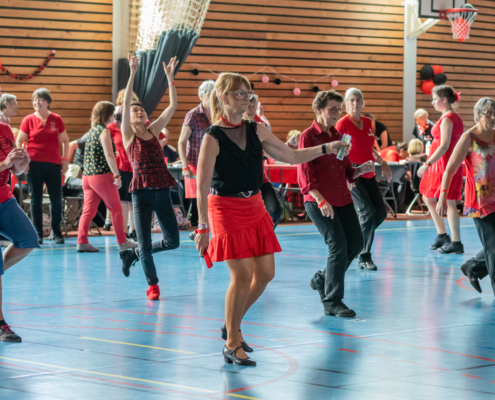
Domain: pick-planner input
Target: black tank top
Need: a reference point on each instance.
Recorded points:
(237, 170)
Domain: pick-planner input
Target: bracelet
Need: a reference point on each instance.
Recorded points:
(184, 169)
(198, 231)
(116, 176)
(427, 163)
(172, 84)
(444, 190)
(65, 159)
(203, 226)
(320, 205)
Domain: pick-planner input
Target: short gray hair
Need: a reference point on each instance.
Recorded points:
(353, 92)
(206, 87)
(481, 106)
(6, 98)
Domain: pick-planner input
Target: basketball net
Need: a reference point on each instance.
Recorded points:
(461, 20)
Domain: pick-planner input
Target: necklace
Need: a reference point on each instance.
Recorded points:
(226, 122)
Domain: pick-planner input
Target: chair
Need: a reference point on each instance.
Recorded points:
(415, 181)
(386, 188)
(69, 206)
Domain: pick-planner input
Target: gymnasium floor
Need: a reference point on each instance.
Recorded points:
(421, 332)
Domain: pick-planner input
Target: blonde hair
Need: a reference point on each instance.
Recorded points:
(420, 112)
(293, 133)
(415, 146)
(226, 82)
(120, 97)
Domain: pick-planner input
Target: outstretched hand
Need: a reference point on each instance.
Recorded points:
(133, 63)
(170, 68)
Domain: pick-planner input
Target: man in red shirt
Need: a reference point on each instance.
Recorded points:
(395, 153)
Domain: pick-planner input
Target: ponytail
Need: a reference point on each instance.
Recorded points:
(226, 82)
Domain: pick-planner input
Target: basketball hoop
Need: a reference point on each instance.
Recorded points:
(461, 20)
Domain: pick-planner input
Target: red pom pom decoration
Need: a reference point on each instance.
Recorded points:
(427, 86)
(335, 83)
(437, 69)
(265, 79)
(297, 91)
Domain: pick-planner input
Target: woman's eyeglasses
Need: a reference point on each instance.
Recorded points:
(242, 94)
(335, 110)
(489, 114)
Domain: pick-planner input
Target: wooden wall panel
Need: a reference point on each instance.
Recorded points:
(304, 40)
(469, 66)
(81, 72)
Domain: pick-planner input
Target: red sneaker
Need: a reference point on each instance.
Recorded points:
(153, 292)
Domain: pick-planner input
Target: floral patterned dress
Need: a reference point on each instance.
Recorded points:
(480, 179)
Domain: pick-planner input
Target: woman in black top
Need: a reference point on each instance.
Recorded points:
(382, 136)
(230, 161)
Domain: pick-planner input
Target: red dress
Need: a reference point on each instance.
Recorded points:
(432, 179)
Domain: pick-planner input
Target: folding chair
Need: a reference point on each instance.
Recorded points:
(386, 188)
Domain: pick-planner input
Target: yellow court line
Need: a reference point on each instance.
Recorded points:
(110, 375)
(243, 397)
(138, 345)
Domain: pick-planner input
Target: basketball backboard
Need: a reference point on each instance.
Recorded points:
(431, 8)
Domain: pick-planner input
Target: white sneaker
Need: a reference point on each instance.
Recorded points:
(87, 248)
(128, 245)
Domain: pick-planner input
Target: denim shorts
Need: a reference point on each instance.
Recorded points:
(17, 227)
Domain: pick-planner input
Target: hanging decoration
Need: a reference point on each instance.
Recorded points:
(35, 73)
(431, 75)
(266, 79)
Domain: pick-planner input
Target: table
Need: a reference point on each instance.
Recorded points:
(283, 173)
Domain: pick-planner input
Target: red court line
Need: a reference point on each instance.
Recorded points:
(472, 376)
(183, 327)
(245, 334)
(459, 283)
(213, 330)
(149, 323)
(115, 320)
(260, 324)
(350, 351)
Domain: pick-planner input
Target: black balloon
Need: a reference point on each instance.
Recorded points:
(252, 85)
(439, 79)
(195, 71)
(277, 81)
(426, 72)
(316, 89)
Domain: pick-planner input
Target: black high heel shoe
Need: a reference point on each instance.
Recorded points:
(230, 357)
(245, 346)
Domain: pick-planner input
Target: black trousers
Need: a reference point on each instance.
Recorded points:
(477, 265)
(486, 231)
(50, 174)
(344, 239)
(371, 211)
(144, 203)
(272, 204)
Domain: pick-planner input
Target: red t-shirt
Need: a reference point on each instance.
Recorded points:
(122, 161)
(326, 174)
(7, 140)
(390, 154)
(362, 141)
(43, 142)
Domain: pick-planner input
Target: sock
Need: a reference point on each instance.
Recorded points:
(108, 221)
(2, 322)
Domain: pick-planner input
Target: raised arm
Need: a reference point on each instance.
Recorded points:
(127, 133)
(162, 121)
(276, 149)
(206, 163)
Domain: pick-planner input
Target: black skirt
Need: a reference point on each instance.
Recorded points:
(124, 189)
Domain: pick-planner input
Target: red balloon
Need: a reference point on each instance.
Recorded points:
(427, 87)
(437, 69)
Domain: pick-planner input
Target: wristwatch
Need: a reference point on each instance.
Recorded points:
(323, 149)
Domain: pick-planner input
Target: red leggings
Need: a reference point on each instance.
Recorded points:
(96, 188)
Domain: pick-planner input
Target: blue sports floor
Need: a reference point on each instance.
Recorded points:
(88, 332)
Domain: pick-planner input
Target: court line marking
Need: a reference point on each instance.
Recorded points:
(110, 375)
(137, 345)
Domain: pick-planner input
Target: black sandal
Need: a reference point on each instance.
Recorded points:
(230, 357)
(245, 346)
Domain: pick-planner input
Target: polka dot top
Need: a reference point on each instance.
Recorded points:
(95, 162)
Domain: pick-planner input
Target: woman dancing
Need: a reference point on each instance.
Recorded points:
(366, 195)
(151, 180)
(230, 161)
(476, 147)
(446, 133)
(328, 203)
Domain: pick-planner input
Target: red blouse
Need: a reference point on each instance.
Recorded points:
(122, 161)
(326, 174)
(6, 146)
(362, 140)
(43, 140)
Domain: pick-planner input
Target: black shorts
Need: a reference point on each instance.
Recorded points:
(124, 189)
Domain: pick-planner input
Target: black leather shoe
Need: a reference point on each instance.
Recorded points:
(59, 239)
(475, 283)
(129, 258)
(454, 247)
(245, 346)
(321, 291)
(440, 241)
(230, 357)
(339, 309)
(369, 265)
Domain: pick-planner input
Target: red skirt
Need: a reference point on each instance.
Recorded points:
(190, 184)
(241, 228)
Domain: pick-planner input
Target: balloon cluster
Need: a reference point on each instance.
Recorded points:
(431, 75)
(297, 91)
